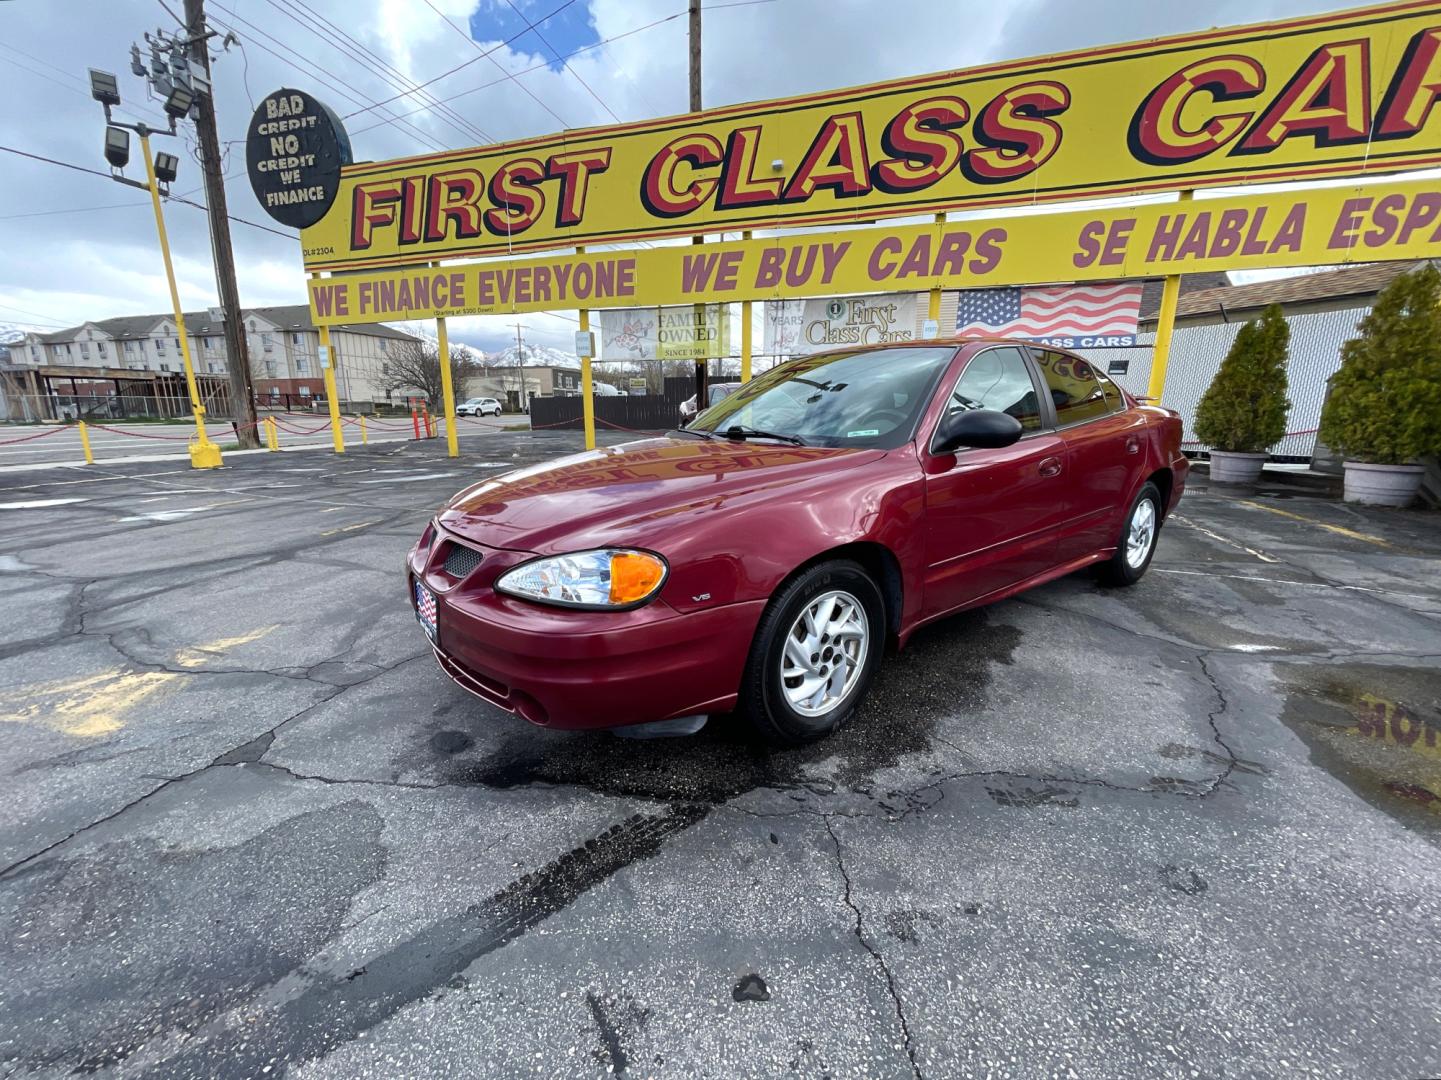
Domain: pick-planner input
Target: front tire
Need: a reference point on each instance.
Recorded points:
(814, 654)
(1137, 543)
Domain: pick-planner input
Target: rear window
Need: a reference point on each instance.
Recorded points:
(1114, 397)
(1074, 387)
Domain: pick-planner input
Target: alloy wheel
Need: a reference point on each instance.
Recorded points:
(825, 652)
(1142, 534)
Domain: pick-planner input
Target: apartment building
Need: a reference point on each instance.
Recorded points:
(284, 348)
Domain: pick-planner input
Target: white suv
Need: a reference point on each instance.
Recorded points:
(478, 406)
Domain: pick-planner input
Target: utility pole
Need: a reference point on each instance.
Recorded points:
(519, 369)
(695, 107)
(242, 391)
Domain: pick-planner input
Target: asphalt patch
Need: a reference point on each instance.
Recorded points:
(946, 669)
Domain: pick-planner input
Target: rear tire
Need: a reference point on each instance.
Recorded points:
(1136, 545)
(814, 653)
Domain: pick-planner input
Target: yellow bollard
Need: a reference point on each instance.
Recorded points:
(364, 439)
(85, 443)
(273, 432)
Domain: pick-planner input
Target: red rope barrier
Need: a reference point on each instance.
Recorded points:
(142, 435)
(32, 438)
(635, 431)
(301, 431)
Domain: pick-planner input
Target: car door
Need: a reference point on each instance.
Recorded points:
(1103, 445)
(992, 514)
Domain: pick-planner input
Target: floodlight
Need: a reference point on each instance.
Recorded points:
(104, 88)
(178, 101)
(165, 167)
(117, 146)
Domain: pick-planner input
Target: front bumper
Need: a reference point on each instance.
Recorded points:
(565, 668)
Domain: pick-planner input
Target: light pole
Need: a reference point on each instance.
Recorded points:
(159, 169)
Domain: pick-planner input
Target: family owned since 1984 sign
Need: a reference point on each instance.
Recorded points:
(294, 149)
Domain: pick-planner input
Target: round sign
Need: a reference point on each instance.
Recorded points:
(294, 149)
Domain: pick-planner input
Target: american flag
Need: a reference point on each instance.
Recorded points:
(1054, 311)
(425, 606)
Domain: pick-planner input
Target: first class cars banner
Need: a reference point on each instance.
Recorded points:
(1339, 94)
(1316, 227)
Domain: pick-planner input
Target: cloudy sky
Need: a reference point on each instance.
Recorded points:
(75, 246)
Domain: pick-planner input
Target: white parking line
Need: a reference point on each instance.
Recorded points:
(406, 479)
(1225, 539)
(36, 504)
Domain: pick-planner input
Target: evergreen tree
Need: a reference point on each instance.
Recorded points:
(1385, 403)
(1244, 409)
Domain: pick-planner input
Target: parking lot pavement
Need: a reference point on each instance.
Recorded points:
(1186, 829)
(25, 446)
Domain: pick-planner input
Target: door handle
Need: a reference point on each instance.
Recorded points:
(1051, 466)
(1133, 445)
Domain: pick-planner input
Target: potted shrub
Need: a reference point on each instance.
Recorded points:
(1384, 411)
(1244, 409)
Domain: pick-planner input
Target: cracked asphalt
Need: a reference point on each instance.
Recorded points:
(1189, 829)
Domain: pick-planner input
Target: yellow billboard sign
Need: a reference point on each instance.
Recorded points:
(1339, 94)
(1321, 226)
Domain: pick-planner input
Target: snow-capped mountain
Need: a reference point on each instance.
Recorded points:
(9, 332)
(426, 332)
(528, 355)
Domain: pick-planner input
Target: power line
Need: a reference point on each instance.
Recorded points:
(485, 54)
(308, 67)
(172, 14)
(134, 110)
(43, 320)
(169, 198)
(537, 67)
(546, 42)
(473, 60)
(360, 54)
(72, 210)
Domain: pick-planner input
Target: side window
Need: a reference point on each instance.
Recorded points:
(1074, 387)
(1114, 398)
(998, 379)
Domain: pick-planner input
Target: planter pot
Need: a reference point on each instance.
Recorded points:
(1233, 467)
(1382, 485)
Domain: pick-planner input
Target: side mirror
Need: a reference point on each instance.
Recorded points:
(977, 428)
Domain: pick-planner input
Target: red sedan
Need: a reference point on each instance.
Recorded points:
(763, 559)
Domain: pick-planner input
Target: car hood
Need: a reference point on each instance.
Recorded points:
(634, 493)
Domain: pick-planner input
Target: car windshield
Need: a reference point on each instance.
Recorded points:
(836, 399)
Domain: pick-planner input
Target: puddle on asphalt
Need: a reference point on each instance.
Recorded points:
(944, 670)
(1376, 729)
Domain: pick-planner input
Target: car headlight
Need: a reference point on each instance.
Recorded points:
(608, 578)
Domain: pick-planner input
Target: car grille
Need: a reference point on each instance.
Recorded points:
(460, 561)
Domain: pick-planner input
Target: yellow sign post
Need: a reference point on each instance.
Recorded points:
(332, 396)
(746, 333)
(447, 391)
(587, 378)
(1165, 326)
(204, 454)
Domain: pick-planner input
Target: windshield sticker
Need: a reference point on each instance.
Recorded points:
(862, 434)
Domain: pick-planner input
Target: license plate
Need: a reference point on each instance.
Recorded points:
(425, 612)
